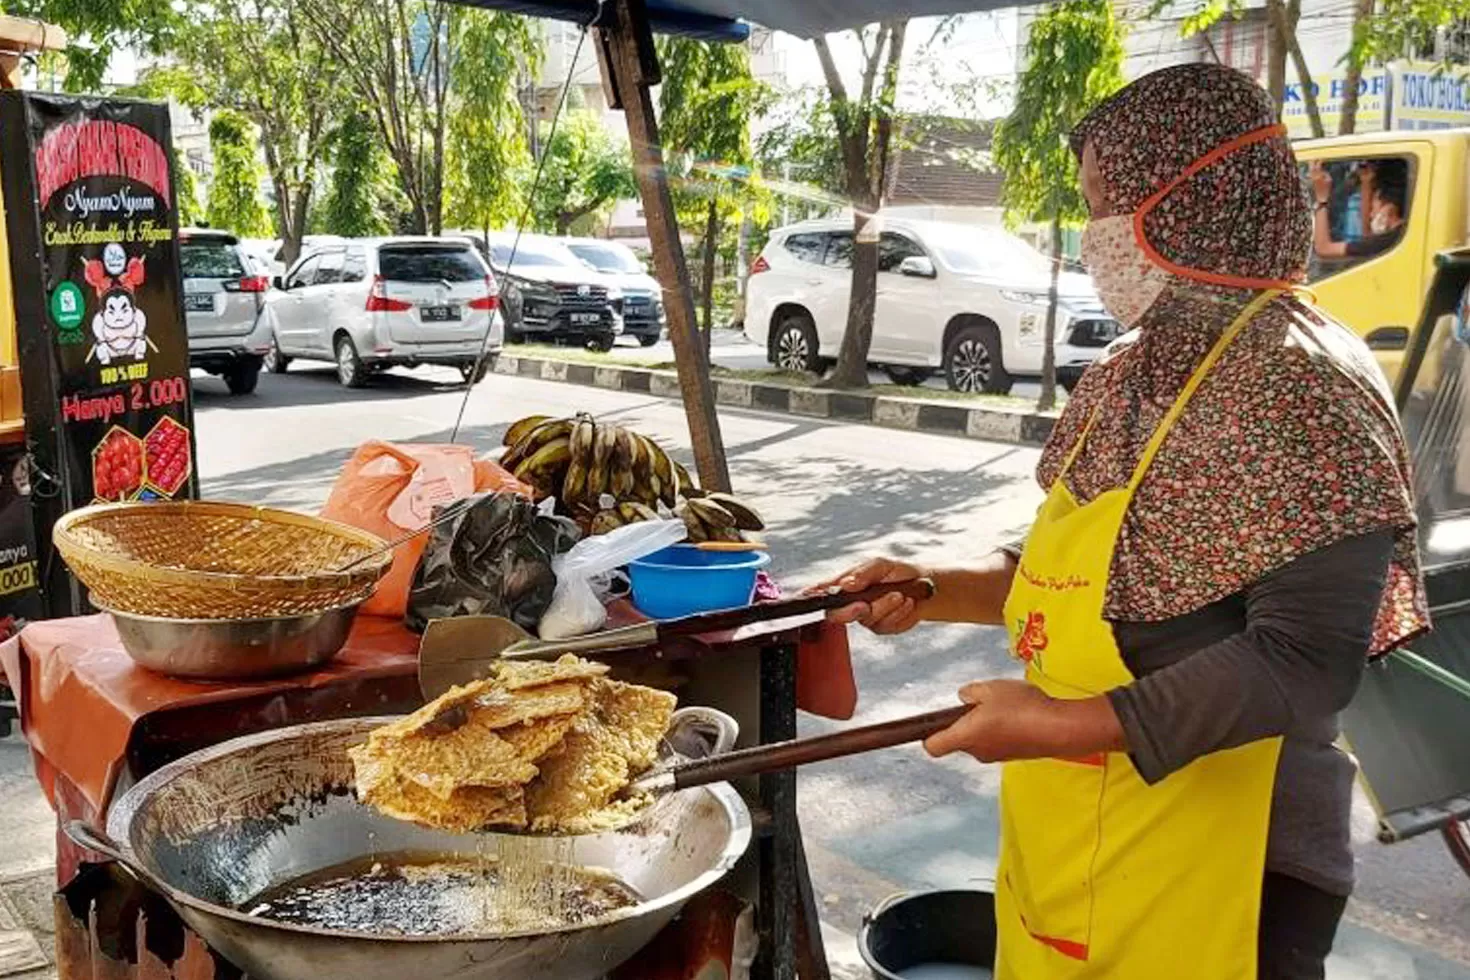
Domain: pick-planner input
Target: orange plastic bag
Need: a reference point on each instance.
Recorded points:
(392, 489)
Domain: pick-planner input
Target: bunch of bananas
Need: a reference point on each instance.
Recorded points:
(604, 476)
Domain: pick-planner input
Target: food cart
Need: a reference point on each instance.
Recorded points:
(98, 723)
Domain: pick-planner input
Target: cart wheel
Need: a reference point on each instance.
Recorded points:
(1457, 839)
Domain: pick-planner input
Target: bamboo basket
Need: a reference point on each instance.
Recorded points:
(208, 560)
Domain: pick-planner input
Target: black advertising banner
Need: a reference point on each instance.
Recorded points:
(104, 351)
(20, 597)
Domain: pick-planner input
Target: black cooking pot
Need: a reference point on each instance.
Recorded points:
(954, 928)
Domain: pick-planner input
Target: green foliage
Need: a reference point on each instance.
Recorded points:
(97, 29)
(186, 190)
(234, 194)
(1404, 28)
(799, 155)
(584, 171)
(255, 57)
(488, 156)
(1073, 61)
(353, 205)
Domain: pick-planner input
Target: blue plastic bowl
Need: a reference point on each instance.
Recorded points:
(683, 580)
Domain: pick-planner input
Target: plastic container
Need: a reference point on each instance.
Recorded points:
(940, 935)
(683, 580)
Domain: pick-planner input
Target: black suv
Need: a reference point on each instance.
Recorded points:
(547, 293)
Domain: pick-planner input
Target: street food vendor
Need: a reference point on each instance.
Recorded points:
(1227, 538)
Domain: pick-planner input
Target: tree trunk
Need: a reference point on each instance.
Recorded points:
(1284, 25)
(1048, 399)
(296, 233)
(1276, 68)
(1348, 122)
(711, 246)
(852, 360)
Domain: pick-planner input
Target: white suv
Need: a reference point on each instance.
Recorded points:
(371, 304)
(966, 300)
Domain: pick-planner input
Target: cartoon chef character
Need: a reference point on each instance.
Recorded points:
(119, 326)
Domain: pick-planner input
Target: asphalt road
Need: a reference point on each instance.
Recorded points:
(833, 493)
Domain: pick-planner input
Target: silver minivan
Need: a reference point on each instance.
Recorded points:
(224, 299)
(370, 304)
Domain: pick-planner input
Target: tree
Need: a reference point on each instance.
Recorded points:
(186, 190)
(583, 171)
(169, 83)
(1073, 60)
(234, 194)
(98, 29)
(402, 60)
(864, 125)
(1283, 18)
(489, 153)
(352, 206)
(257, 58)
(706, 102)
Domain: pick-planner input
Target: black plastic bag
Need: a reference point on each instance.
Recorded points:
(494, 559)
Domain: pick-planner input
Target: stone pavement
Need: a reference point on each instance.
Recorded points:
(27, 868)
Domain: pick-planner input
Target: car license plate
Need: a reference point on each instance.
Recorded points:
(199, 302)
(439, 314)
(579, 319)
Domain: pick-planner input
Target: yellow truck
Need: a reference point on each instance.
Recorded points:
(1375, 281)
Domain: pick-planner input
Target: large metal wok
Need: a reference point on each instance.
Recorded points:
(220, 826)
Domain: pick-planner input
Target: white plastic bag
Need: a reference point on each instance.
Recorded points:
(583, 574)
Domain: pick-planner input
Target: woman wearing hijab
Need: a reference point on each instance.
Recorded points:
(1227, 538)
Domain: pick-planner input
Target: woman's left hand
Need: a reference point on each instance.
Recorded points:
(1015, 720)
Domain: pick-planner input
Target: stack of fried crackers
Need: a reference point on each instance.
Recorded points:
(539, 746)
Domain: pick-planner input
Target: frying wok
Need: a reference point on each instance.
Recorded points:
(222, 825)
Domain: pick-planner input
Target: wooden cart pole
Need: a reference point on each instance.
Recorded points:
(630, 70)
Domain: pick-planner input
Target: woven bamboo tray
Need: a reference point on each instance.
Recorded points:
(208, 560)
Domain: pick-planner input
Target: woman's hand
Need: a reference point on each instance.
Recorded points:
(1016, 720)
(1321, 183)
(893, 613)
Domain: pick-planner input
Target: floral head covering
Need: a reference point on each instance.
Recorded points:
(1292, 442)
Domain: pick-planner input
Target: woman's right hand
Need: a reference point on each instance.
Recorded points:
(893, 613)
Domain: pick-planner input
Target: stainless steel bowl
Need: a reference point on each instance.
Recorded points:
(235, 649)
(218, 827)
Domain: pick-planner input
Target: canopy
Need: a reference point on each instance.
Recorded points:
(723, 20)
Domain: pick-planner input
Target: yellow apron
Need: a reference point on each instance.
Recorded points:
(1101, 875)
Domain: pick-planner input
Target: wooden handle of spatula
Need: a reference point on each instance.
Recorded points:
(801, 751)
(765, 612)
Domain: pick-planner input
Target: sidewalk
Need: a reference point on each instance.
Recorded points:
(742, 379)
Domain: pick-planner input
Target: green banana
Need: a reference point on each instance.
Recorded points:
(620, 466)
(712, 514)
(747, 518)
(520, 429)
(693, 525)
(604, 521)
(540, 469)
(532, 442)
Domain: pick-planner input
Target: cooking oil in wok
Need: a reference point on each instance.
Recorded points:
(425, 893)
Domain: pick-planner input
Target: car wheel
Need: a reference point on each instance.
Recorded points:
(350, 369)
(275, 361)
(1069, 382)
(242, 376)
(907, 375)
(601, 344)
(648, 340)
(794, 345)
(972, 362)
(474, 372)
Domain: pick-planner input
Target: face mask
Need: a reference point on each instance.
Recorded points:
(1378, 224)
(1127, 282)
